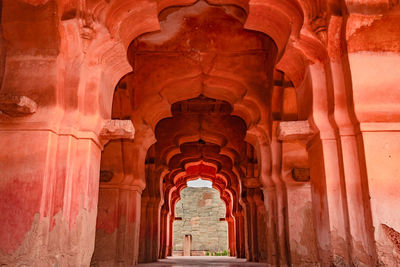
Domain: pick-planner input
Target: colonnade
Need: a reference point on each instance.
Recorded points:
(289, 107)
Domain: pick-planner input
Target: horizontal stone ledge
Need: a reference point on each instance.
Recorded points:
(17, 106)
(294, 130)
(251, 182)
(117, 129)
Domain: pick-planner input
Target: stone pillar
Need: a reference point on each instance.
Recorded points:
(261, 222)
(246, 225)
(150, 211)
(163, 233)
(295, 173)
(358, 206)
(281, 195)
(382, 156)
(129, 226)
(149, 231)
(170, 235)
(371, 67)
(240, 240)
(48, 192)
(231, 236)
(254, 227)
(118, 226)
(118, 221)
(53, 103)
(155, 230)
(272, 232)
(145, 235)
(302, 239)
(251, 223)
(187, 245)
(329, 203)
(50, 162)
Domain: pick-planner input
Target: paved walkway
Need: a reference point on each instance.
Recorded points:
(181, 261)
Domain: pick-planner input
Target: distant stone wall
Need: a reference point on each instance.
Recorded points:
(201, 210)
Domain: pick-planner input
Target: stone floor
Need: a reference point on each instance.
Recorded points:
(181, 261)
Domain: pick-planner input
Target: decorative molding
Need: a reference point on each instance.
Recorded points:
(380, 126)
(294, 130)
(17, 106)
(117, 129)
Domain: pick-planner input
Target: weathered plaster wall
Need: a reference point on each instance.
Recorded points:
(201, 210)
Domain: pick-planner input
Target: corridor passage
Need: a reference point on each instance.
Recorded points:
(203, 261)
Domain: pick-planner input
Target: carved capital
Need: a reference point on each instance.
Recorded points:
(117, 129)
(17, 106)
(294, 130)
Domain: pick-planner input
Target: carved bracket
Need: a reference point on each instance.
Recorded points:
(117, 129)
(301, 174)
(106, 176)
(17, 106)
(294, 130)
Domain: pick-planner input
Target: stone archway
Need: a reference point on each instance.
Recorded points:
(315, 121)
(200, 214)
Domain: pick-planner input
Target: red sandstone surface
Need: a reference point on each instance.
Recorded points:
(290, 107)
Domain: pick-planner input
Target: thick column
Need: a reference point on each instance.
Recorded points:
(118, 225)
(382, 156)
(155, 230)
(356, 184)
(302, 244)
(252, 201)
(149, 230)
(247, 225)
(272, 233)
(239, 233)
(129, 226)
(329, 201)
(253, 238)
(373, 57)
(118, 222)
(145, 235)
(231, 236)
(48, 193)
(163, 233)
(281, 209)
(150, 219)
(261, 222)
(170, 233)
(302, 239)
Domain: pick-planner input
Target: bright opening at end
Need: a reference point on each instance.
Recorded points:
(199, 183)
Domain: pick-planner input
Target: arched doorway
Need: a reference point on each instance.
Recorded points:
(200, 228)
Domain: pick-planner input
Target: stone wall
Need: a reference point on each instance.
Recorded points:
(201, 210)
